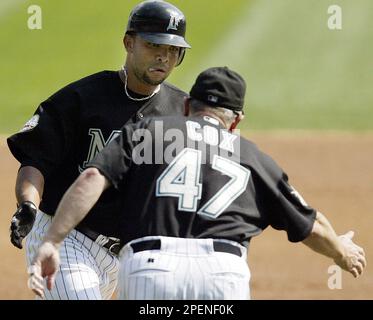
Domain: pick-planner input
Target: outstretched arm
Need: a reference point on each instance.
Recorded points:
(76, 203)
(341, 249)
(74, 206)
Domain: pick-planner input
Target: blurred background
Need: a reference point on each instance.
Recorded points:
(309, 90)
(299, 73)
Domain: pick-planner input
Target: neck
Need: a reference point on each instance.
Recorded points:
(137, 86)
(211, 115)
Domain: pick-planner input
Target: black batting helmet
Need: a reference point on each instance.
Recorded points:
(159, 22)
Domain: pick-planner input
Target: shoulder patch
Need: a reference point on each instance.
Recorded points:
(31, 124)
(296, 194)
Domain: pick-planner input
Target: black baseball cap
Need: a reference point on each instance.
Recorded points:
(220, 86)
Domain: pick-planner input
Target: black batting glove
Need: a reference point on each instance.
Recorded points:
(22, 222)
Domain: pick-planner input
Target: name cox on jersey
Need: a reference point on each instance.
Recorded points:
(217, 141)
(210, 135)
(98, 142)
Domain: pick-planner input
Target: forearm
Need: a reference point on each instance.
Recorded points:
(75, 204)
(29, 185)
(323, 238)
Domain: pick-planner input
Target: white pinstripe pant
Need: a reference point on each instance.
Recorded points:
(87, 270)
(183, 269)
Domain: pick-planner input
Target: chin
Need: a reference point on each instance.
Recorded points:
(154, 81)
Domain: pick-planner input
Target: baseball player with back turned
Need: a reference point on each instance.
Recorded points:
(72, 126)
(187, 221)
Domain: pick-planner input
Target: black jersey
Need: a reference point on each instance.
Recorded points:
(73, 125)
(194, 179)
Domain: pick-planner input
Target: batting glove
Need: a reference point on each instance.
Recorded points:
(22, 222)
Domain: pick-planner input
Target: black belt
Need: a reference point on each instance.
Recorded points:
(112, 244)
(156, 245)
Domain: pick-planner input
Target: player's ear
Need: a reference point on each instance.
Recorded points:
(239, 117)
(128, 41)
(186, 106)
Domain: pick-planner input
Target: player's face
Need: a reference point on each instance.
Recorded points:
(152, 63)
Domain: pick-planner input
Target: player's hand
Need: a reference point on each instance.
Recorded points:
(22, 222)
(353, 259)
(44, 265)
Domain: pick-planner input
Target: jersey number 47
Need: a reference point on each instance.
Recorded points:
(181, 179)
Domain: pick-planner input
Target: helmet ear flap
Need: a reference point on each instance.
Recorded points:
(181, 56)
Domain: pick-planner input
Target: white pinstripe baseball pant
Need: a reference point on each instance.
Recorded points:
(183, 269)
(87, 270)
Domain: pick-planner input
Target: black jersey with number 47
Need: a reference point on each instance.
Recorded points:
(190, 178)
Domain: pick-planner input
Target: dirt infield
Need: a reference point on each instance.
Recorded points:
(334, 172)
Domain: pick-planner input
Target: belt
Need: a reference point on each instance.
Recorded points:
(112, 244)
(156, 245)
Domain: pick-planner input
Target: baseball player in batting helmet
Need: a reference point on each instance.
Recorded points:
(70, 127)
(160, 23)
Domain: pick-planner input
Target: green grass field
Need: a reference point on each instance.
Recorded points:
(300, 74)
